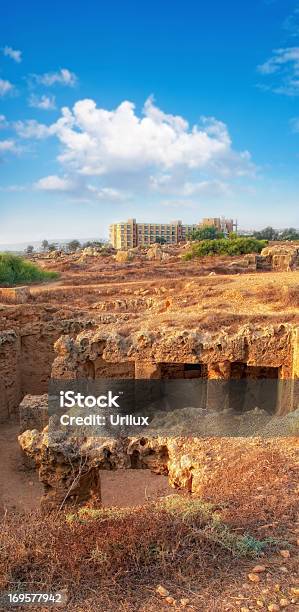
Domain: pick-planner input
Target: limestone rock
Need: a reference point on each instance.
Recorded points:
(33, 412)
(285, 554)
(258, 569)
(155, 252)
(280, 257)
(253, 577)
(162, 591)
(123, 256)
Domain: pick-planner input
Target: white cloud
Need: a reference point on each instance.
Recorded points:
(42, 102)
(106, 193)
(8, 146)
(61, 77)
(54, 183)
(176, 185)
(291, 24)
(98, 142)
(14, 188)
(119, 154)
(158, 116)
(280, 57)
(78, 188)
(32, 129)
(206, 188)
(284, 68)
(13, 54)
(5, 87)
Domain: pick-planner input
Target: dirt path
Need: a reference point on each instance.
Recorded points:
(47, 286)
(20, 489)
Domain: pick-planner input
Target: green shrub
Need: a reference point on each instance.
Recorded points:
(15, 270)
(191, 518)
(208, 232)
(235, 246)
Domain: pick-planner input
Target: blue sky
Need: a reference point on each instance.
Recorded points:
(160, 111)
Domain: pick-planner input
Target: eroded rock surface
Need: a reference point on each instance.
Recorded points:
(280, 257)
(69, 466)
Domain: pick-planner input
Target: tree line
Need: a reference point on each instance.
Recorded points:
(268, 233)
(71, 246)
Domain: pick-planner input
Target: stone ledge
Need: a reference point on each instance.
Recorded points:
(14, 295)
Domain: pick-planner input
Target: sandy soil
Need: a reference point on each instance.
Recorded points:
(20, 489)
(125, 488)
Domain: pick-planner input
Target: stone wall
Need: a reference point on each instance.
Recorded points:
(10, 373)
(269, 346)
(261, 351)
(26, 357)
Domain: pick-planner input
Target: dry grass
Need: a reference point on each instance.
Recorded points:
(284, 294)
(113, 559)
(230, 299)
(116, 552)
(257, 485)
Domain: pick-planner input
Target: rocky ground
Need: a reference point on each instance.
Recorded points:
(251, 483)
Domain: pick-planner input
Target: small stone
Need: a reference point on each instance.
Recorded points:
(283, 569)
(285, 554)
(253, 577)
(171, 601)
(272, 607)
(295, 591)
(244, 610)
(258, 569)
(284, 602)
(64, 596)
(259, 603)
(184, 602)
(162, 591)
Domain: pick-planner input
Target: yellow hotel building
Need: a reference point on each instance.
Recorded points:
(130, 234)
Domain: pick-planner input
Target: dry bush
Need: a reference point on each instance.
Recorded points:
(256, 486)
(268, 293)
(216, 320)
(289, 317)
(291, 296)
(283, 295)
(178, 541)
